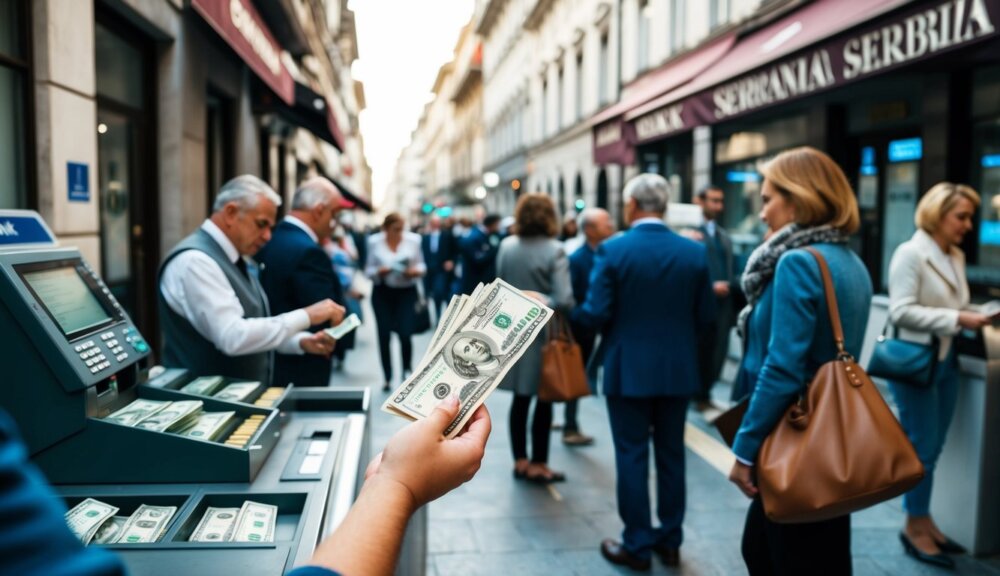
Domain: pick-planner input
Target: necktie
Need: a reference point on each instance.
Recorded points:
(241, 265)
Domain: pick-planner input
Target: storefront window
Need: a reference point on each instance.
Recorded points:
(13, 73)
(986, 155)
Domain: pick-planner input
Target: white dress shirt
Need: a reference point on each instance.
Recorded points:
(195, 287)
(407, 254)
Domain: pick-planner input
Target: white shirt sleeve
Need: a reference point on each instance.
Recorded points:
(195, 287)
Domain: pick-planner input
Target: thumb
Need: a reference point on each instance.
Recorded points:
(443, 413)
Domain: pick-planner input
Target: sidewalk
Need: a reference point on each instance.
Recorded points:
(495, 525)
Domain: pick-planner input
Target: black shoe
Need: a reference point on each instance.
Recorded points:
(933, 559)
(949, 546)
(669, 556)
(615, 553)
(386, 387)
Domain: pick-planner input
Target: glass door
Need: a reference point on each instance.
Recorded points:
(902, 190)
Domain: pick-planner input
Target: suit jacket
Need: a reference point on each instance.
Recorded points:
(581, 264)
(650, 294)
(446, 251)
(924, 298)
(297, 272)
(719, 251)
(479, 256)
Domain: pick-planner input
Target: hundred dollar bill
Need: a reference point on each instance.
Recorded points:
(255, 523)
(137, 411)
(237, 391)
(176, 416)
(146, 524)
(209, 425)
(342, 329)
(204, 386)
(110, 531)
(216, 525)
(87, 517)
(492, 335)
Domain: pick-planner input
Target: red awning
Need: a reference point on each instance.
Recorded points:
(239, 24)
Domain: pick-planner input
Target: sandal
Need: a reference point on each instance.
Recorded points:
(549, 478)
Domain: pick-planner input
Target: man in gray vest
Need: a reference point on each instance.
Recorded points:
(714, 341)
(215, 316)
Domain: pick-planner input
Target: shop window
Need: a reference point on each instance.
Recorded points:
(14, 172)
(986, 180)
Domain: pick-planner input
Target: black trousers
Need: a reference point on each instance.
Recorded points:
(817, 548)
(585, 338)
(541, 426)
(394, 312)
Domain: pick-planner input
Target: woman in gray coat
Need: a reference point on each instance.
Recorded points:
(534, 261)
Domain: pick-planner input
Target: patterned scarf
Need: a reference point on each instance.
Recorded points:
(764, 259)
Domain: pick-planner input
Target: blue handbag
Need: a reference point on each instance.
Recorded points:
(902, 361)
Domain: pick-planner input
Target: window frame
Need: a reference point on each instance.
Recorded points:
(29, 198)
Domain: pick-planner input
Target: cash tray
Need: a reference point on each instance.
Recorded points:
(129, 503)
(290, 506)
(176, 379)
(94, 455)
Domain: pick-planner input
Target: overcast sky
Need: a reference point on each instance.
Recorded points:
(402, 44)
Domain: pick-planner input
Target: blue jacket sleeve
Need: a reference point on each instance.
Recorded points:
(314, 279)
(578, 277)
(34, 538)
(596, 310)
(796, 300)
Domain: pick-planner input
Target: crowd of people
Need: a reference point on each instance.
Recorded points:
(650, 307)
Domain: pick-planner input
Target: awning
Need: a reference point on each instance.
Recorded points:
(309, 111)
(785, 60)
(357, 200)
(239, 24)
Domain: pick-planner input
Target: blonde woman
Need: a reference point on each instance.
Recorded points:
(929, 296)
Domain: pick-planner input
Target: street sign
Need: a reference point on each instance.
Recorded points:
(78, 181)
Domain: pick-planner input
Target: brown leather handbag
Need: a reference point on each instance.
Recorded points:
(839, 448)
(563, 374)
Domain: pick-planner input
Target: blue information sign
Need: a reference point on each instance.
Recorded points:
(78, 181)
(23, 227)
(906, 150)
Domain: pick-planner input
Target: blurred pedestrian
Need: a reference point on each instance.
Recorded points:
(570, 235)
(714, 343)
(533, 260)
(650, 295)
(440, 251)
(807, 201)
(395, 265)
(344, 257)
(597, 227)
(479, 253)
(929, 296)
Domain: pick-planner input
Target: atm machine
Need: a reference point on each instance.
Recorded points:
(70, 356)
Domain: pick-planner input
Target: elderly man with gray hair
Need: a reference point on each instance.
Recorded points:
(215, 317)
(650, 296)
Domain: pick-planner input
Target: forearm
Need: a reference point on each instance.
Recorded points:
(369, 539)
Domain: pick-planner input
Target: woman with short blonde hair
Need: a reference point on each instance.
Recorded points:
(929, 297)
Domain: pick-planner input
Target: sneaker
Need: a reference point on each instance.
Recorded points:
(577, 439)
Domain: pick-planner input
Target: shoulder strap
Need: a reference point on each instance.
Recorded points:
(831, 300)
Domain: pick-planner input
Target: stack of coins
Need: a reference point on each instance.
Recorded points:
(270, 396)
(242, 435)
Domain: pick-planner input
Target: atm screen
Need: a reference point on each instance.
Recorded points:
(67, 298)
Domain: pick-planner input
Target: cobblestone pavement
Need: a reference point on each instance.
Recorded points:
(495, 525)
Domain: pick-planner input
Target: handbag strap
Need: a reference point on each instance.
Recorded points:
(831, 303)
(560, 330)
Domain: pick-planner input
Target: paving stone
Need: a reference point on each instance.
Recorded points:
(449, 536)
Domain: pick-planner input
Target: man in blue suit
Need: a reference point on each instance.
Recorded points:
(650, 295)
(296, 269)
(478, 249)
(438, 246)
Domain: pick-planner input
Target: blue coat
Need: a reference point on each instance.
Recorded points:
(296, 273)
(787, 343)
(479, 258)
(650, 294)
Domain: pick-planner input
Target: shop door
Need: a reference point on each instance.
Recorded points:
(125, 172)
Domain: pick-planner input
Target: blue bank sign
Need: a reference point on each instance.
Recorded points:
(78, 181)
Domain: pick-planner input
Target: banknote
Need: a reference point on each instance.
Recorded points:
(137, 411)
(255, 523)
(110, 531)
(209, 425)
(342, 329)
(87, 517)
(146, 524)
(493, 333)
(216, 525)
(204, 386)
(237, 391)
(177, 416)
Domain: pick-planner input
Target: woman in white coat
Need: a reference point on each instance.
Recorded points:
(929, 296)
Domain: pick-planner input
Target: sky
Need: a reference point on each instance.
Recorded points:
(401, 44)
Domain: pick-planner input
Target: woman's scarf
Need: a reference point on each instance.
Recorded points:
(764, 259)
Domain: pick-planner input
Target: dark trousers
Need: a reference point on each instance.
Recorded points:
(816, 548)
(585, 338)
(437, 289)
(394, 312)
(634, 422)
(540, 429)
(713, 345)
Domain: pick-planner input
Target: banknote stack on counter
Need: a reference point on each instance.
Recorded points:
(234, 392)
(184, 417)
(253, 522)
(95, 522)
(478, 339)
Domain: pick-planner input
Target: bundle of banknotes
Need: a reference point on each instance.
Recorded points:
(97, 522)
(478, 338)
(253, 522)
(210, 386)
(184, 417)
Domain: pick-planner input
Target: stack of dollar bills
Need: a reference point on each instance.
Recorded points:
(237, 391)
(253, 522)
(478, 338)
(204, 386)
(95, 521)
(184, 417)
(213, 386)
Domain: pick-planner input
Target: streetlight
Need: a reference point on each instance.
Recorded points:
(480, 192)
(491, 179)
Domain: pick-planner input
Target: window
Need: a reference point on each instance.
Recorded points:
(14, 172)
(642, 49)
(218, 145)
(545, 109)
(560, 99)
(578, 89)
(676, 25)
(602, 72)
(718, 13)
